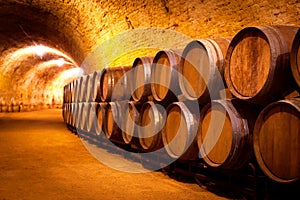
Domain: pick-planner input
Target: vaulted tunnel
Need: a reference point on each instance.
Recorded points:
(43, 43)
(37, 57)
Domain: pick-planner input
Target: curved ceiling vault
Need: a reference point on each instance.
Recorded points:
(35, 53)
(42, 42)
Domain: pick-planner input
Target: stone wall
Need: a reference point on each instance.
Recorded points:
(89, 23)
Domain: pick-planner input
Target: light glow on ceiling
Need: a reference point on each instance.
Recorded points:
(36, 74)
(31, 75)
(60, 62)
(55, 91)
(40, 50)
(29, 51)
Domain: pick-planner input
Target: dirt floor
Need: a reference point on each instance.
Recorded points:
(41, 159)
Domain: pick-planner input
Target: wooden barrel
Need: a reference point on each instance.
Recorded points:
(71, 85)
(4, 107)
(88, 87)
(295, 58)
(77, 116)
(83, 88)
(67, 95)
(15, 106)
(25, 107)
(9, 107)
(180, 130)
(151, 121)
(225, 133)
(72, 114)
(69, 92)
(68, 111)
(142, 74)
(84, 116)
(75, 91)
(79, 89)
(95, 86)
(80, 117)
(112, 124)
(110, 80)
(131, 120)
(164, 76)
(100, 117)
(65, 100)
(257, 66)
(64, 112)
(67, 115)
(2, 104)
(96, 113)
(91, 117)
(277, 140)
(202, 68)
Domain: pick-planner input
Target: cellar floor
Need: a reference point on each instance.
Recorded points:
(41, 159)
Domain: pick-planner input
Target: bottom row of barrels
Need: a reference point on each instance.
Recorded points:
(224, 133)
(10, 108)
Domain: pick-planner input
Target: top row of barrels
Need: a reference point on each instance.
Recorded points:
(260, 64)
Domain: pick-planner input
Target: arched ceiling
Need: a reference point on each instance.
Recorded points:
(25, 23)
(76, 27)
(25, 68)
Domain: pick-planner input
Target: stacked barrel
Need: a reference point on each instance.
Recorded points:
(10, 106)
(258, 70)
(86, 97)
(226, 102)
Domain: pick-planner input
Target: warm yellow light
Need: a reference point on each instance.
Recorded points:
(60, 62)
(31, 75)
(55, 89)
(25, 53)
(40, 50)
(131, 44)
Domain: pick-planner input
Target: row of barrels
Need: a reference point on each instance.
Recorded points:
(13, 107)
(224, 133)
(222, 100)
(259, 65)
(20, 107)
